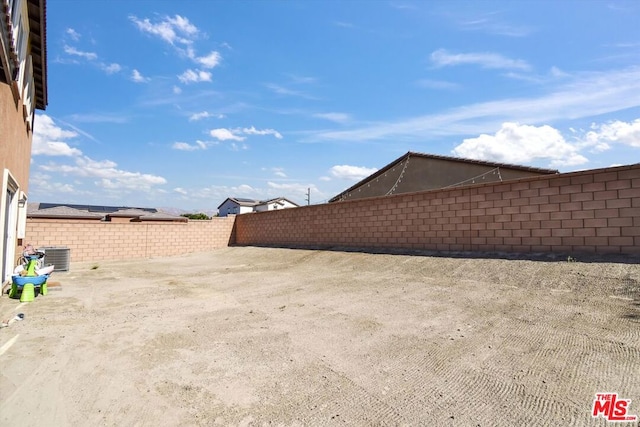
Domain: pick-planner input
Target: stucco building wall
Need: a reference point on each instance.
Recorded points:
(15, 140)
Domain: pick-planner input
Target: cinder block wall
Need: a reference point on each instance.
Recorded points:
(95, 241)
(595, 211)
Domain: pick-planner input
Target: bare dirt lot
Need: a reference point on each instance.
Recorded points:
(257, 336)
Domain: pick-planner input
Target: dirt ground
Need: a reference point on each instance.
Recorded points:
(286, 337)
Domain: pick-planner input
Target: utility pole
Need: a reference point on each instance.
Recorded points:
(308, 196)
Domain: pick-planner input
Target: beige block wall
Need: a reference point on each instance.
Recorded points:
(90, 240)
(595, 211)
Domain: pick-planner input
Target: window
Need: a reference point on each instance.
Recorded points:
(20, 37)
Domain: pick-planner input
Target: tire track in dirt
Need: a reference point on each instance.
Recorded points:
(338, 398)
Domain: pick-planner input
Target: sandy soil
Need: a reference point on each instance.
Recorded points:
(257, 336)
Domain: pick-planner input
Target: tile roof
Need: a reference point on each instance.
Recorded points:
(50, 210)
(63, 212)
(409, 154)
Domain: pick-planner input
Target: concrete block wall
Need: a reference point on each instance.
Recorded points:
(594, 211)
(95, 241)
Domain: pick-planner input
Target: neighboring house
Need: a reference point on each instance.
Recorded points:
(419, 172)
(55, 211)
(273, 204)
(237, 206)
(138, 215)
(23, 88)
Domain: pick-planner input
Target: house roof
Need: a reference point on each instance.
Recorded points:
(9, 66)
(252, 202)
(143, 215)
(92, 208)
(438, 157)
(38, 28)
(278, 199)
(241, 202)
(58, 210)
(161, 216)
(62, 212)
(128, 213)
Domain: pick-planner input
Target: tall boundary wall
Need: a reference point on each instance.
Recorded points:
(594, 211)
(96, 241)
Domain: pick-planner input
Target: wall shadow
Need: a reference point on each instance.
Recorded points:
(546, 257)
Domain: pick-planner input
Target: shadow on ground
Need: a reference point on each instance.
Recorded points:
(547, 257)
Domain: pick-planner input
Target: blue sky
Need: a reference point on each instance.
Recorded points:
(183, 104)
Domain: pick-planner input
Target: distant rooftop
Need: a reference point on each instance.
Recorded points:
(97, 212)
(93, 208)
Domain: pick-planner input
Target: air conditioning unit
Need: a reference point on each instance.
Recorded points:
(58, 256)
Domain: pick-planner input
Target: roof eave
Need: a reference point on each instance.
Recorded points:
(38, 28)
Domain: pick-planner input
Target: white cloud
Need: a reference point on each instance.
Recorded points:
(613, 132)
(73, 34)
(177, 90)
(49, 139)
(292, 187)
(238, 147)
(220, 192)
(353, 173)
(109, 177)
(204, 115)
(493, 27)
(271, 190)
(558, 73)
(522, 144)
(223, 134)
(45, 185)
(279, 172)
(180, 33)
(334, 117)
(183, 25)
(137, 77)
(244, 189)
(281, 90)
(209, 61)
(183, 146)
(442, 58)
(324, 178)
(583, 95)
(253, 131)
(302, 80)
(170, 29)
(98, 118)
(194, 76)
(91, 56)
(198, 116)
(111, 68)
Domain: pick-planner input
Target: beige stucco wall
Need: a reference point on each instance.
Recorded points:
(15, 157)
(15, 139)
